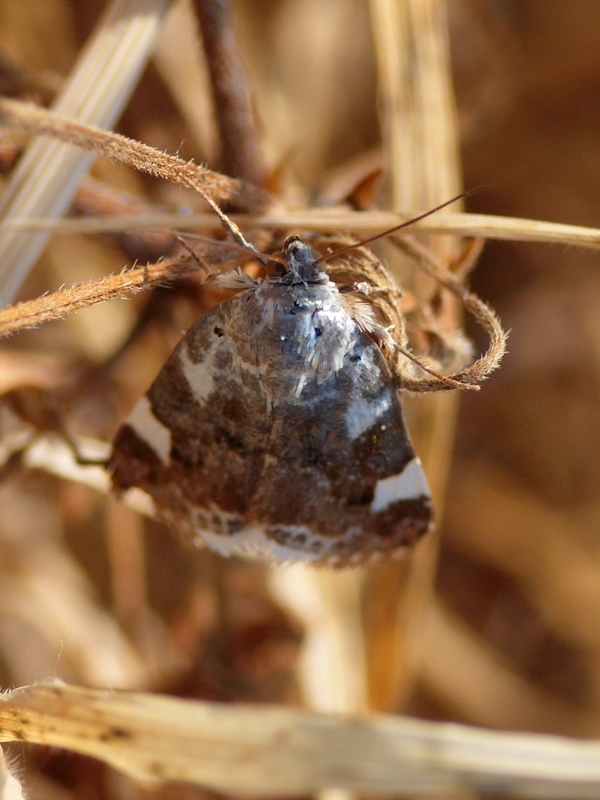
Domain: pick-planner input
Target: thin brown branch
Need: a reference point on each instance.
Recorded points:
(31, 313)
(240, 156)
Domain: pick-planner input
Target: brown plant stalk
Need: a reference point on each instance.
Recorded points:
(31, 313)
(212, 186)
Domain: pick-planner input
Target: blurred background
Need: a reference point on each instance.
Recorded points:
(509, 634)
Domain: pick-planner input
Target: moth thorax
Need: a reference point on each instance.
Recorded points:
(302, 261)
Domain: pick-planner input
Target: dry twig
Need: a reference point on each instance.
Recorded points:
(32, 313)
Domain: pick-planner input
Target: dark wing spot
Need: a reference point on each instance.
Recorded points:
(364, 499)
(218, 331)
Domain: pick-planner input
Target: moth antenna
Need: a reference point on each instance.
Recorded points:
(261, 257)
(396, 228)
(202, 263)
(449, 382)
(230, 225)
(485, 316)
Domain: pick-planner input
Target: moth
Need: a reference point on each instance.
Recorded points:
(275, 428)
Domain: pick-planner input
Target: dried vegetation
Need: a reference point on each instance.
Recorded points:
(494, 621)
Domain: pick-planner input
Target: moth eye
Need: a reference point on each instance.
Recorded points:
(218, 331)
(318, 332)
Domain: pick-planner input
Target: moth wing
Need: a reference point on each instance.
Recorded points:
(327, 475)
(341, 483)
(196, 441)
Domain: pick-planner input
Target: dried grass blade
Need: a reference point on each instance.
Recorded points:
(474, 678)
(212, 186)
(419, 125)
(486, 226)
(284, 752)
(47, 176)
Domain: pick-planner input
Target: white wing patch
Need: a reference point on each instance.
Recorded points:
(362, 415)
(408, 485)
(150, 430)
(199, 376)
(252, 540)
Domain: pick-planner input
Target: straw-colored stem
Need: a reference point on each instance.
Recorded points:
(419, 126)
(487, 226)
(47, 176)
(289, 752)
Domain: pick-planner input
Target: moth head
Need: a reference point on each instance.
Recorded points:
(302, 262)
